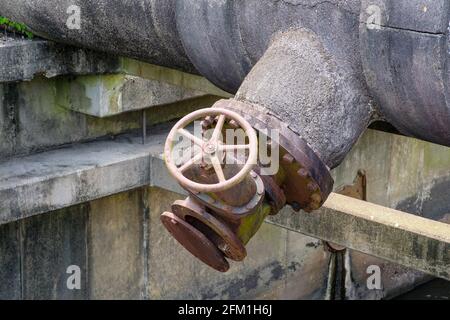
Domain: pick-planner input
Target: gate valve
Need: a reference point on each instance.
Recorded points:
(228, 203)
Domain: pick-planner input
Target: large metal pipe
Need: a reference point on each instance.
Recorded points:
(224, 40)
(141, 29)
(405, 58)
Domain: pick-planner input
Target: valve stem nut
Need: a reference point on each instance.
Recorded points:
(233, 124)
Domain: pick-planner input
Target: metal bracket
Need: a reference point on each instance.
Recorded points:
(357, 190)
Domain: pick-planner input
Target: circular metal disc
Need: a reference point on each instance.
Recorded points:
(195, 242)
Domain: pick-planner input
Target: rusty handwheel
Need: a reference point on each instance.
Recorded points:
(210, 149)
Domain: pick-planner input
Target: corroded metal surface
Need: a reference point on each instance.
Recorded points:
(195, 241)
(305, 180)
(217, 231)
(229, 211)
(211, 148)
(357, 190)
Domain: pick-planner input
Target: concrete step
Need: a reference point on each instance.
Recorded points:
(79, 173)
(23, 59)
(110, 95)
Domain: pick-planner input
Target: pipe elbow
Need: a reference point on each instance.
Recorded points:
(319, 97)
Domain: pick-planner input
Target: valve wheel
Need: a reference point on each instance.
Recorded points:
(210, 149)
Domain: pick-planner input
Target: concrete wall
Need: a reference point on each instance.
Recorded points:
(125, 253)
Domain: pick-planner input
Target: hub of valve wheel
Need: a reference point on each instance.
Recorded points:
(213, 154)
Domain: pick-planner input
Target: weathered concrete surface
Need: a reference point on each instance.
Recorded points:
(79, 173)
(37, 252)
(109, 95)
(292, 266)
(416, 172)
(116, 251)
(124, 253)
(436, 289)
(169, 76)
(23, 59)
(393, 235)
(51, 244)
(117, 248)
(402, 173)
(398, 168)
(33, 117)
(10, 255)
(395, 279)
(8, 95)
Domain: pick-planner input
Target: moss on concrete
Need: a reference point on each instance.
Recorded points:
(182, 79)
(8, 24)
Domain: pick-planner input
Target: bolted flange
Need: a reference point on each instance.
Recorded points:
(217, 231)
(195, 242)
(304, 178)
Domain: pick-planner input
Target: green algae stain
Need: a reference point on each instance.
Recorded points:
(8, 24)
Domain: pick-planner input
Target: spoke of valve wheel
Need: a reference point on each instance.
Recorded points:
(191, 137)
(191, 162)
(218, 168)
(231, 147)
(218, 129)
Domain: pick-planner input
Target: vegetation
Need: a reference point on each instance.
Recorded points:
(7, 24)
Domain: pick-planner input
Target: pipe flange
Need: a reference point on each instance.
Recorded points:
(216, 231)
(274, 194)
(304, 177)
(195, 242)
